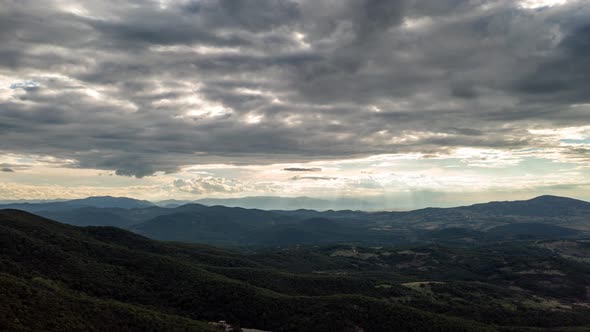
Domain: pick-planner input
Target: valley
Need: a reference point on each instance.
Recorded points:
(294, 270)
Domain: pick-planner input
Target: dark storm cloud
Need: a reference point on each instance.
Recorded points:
(143, 87)
(562, 76)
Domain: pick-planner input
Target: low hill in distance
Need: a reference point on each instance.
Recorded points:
(532, 230)
(542, 206)
(95, 201)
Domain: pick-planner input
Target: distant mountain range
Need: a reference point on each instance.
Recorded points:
(543, 205)
(95, 201)
(251, 202)
(540, 217)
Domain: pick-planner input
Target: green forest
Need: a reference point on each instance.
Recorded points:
(63, 277)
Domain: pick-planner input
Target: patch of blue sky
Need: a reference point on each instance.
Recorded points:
(25, 85)
(576, 141)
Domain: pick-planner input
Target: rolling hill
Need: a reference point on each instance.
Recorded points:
(542, 206)
(531, 230)
(60, 277)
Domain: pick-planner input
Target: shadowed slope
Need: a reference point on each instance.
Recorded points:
(171, 284)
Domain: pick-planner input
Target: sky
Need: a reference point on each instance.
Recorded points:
(408, 103)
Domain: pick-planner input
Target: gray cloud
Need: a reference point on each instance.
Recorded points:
(302, 169)
(10, 168)
(151, 88)
(208, 185)
(315, 178)
(219, 185)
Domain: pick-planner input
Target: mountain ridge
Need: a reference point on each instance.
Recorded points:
(236, 226)
(92, 201)
(127, 202)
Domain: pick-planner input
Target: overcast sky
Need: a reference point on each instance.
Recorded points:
(407, 102)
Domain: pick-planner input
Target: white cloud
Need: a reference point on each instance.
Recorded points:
(533, 4)
(210, 185)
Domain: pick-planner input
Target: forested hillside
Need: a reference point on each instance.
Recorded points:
(62, 277)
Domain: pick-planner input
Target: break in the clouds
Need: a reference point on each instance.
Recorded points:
(137, 89)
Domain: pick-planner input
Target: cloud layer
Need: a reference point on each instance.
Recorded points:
(155, 86)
